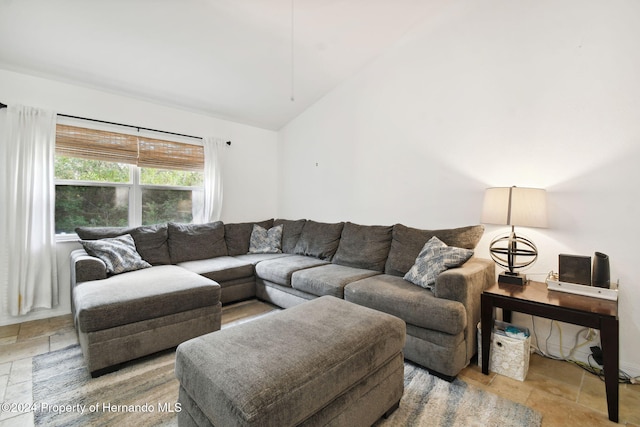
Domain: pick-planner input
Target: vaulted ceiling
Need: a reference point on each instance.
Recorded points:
(241, 60)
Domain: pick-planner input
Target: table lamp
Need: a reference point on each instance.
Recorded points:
(526, 207)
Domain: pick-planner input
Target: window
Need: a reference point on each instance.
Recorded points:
(114, 179)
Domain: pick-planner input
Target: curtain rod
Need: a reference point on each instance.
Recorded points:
(121, 124)
(129, 126)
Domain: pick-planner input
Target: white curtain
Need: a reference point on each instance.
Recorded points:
(28, 269)
(212, 178)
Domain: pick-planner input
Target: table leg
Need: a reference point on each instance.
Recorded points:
(610, 343)
(486, 321)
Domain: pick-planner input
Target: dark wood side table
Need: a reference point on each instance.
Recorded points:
(535, 299)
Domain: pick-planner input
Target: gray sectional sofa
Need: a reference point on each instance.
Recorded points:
(359, 263)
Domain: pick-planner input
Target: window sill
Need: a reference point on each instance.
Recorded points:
(63, 238)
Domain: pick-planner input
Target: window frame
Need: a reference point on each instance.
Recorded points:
(134, 185)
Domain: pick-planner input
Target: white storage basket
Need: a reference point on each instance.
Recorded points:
(508, 356)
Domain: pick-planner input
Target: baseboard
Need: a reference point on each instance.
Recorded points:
(39, 314)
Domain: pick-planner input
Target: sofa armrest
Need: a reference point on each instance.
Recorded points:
(466, 283)
(85, 267)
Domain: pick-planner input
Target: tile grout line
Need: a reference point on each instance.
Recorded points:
(580, 388)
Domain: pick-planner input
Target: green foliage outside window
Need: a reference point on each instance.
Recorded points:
(103, 205)
(90, 170)
(90, 206)
(151, 176)
(166, 205)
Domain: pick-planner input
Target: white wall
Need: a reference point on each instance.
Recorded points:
(250, 181)
(494, 93)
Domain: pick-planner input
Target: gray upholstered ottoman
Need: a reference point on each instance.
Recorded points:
(323, 362)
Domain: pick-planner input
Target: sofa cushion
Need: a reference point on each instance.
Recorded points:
(191, 242)
(151, 240)
(266, 241)
(329, 279)
(95, 233)
(256, 258)
(152, 243)
(237, 235)
(118, 253)
(364, 246)
(291, 231)
(319, 239)
(415, 305)
(407, 243)
(220, 269)
(141, 295)
(279, 270)
(434, 258)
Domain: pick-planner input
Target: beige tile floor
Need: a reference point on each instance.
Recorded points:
(565, 394)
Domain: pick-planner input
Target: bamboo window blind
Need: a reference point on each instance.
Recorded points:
(73, 141)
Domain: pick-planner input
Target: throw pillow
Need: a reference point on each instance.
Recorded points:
(118, 253)
(265, 241)
(434, 258)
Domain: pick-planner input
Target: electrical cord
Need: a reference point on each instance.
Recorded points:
(623, 377)
(587, 340)
(538, 348)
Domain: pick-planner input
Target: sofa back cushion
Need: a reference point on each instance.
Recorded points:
(95, 233)
(152, 243)
(319, 239)
(291, 231)
(191, 242)
(407, 243)
(151, 240)
(238, 235)
(364, 246)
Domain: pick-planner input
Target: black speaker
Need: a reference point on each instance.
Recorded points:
(600, 276)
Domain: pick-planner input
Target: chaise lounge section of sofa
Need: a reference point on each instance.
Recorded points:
(363, 264)
(123, 317)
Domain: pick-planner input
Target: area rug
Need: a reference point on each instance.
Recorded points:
(431, 401)
(144, 393)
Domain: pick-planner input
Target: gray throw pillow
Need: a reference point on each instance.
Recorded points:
(118, 253)
(434, 258)
(265, 241)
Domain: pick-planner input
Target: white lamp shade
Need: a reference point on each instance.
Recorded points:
(526, 207)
